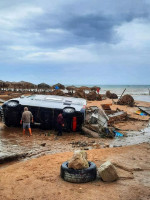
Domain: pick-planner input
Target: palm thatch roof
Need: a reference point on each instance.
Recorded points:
(62, 87)
(43, 86)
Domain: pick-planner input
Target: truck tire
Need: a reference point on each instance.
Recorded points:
(78, 176)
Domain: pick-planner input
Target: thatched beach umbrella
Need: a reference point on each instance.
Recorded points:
(79, 93)
(27, 85)
(1, 84)
(6, 85)
(84, 88)
(14, 85)
(71, 88)
(59, 85)
(94, 88)
(43, 86)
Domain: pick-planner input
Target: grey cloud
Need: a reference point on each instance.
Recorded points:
(83, 27)
(81, 22)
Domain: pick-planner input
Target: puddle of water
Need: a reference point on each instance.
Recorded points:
(133, 137)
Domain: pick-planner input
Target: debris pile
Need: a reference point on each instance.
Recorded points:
(126, 100)
(111, 95)
(79, 93)
(58, 92)
(92, 96)
(118, 116)
(99, 121)
(85, 145)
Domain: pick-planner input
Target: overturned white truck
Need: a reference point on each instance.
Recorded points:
(45, 109)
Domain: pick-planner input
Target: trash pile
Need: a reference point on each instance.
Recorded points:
(104, 119)
(111, 95)
(126, 100)
(99, 121)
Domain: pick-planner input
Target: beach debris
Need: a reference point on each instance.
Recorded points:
(106, 106)
(138, 117)
(118, 116)
(58, 92)
(2, 101)
(43, 144)
(126, 100)
(89, 132)
(93, 127)
(58, 86)
(122, 94)
(111, 95)
(145, 110)
(99, 122)
(79, 160)
(79, 93)
(106, 133)
(139, 112)
(91, 96)
(107, 172)
(117, 134)
(85, 145)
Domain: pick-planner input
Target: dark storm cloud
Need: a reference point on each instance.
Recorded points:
(93, 28)
(83, 27)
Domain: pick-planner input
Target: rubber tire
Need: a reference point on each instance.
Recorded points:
(78, 176)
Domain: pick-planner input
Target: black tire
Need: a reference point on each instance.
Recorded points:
(78, 176)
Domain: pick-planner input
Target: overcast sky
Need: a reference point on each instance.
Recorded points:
(75, 41)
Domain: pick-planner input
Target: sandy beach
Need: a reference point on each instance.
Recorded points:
(74, 81)
(38, 176)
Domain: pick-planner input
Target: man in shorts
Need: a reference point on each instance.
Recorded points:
(27, 117)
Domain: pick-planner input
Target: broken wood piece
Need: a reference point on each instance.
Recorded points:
(89, 132)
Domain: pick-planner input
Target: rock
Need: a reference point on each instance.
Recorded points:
(79, 160)
(107, 172)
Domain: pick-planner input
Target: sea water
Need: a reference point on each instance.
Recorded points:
(139, 92)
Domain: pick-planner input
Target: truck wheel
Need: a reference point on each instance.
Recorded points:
(78, 176)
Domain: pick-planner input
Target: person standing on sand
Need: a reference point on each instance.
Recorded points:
(27, 117)
(60, 124)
